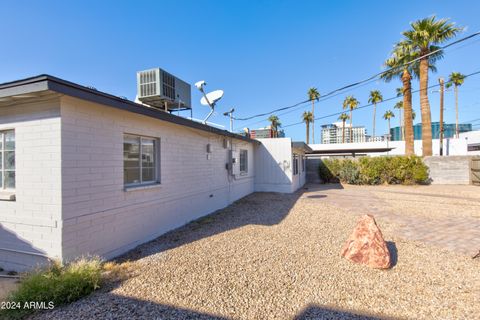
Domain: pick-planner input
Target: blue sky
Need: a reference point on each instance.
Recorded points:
(263, 54)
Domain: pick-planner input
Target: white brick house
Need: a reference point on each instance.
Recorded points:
(84, 172)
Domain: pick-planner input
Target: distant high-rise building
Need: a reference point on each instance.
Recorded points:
(333, 133)
(448, 131)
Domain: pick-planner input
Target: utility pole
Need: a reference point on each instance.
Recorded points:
(442, 86)
(230, 114)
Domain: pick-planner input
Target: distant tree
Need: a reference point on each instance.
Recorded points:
(456, 79)
(399, 92)
(387, 116)
(399, 106)
(344, 117)
(274, 123)
(375, 97)
(307, 117)
(313, 95)
(350, 103)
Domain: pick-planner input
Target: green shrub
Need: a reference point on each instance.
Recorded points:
(56, 284)
(375, 170)
(349, 172)
(328, 170)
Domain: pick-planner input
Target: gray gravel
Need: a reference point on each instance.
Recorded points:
(272, 256)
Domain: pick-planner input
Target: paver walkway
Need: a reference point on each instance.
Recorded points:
(458, 233)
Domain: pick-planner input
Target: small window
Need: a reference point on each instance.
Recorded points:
(140, 160)
(243, 161)
(295, 164)
(7, 160)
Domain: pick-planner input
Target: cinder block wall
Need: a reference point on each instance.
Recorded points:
(99, 216)
(313, 165)
(449, 170)
(29, 226)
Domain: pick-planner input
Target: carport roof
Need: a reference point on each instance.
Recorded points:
(38, 85)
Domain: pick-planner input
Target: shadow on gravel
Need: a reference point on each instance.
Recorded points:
(112, 306)
(392, 248)
(317, 196)
(322, 312)
(267, 209)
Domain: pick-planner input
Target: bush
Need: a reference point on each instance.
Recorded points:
(375, 170)
(328, 170)
(349, 172)
(56, 284)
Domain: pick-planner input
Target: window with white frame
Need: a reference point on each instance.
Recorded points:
(140, 160)
(243, 161)
(7, 160)
(304, 163)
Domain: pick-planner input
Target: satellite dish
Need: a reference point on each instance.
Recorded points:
(211, 98)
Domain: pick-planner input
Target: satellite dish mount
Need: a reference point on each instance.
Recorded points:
(208, 99)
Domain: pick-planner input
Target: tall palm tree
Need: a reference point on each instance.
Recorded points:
(274, 123)
(456, 79)
(375, 97)
(307, 117)
(350, 103)
(313, 95)
(400, 67)
(399, 106)
(423, 38)
(387, 116)
(344, 117)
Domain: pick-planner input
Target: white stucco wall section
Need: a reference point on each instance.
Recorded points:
(99, 216)
(30, 225)
(274, 166)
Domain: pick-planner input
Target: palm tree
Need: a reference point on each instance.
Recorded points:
(400, 67)
(350, 103)
(387, 116)
(399, 106)
(375, 97)
(456, 79)
(344, 117)
(313, 95)
(423, 38)
(399, 92)
(274, 123)
(307, 117)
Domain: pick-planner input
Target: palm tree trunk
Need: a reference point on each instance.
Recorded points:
(425, 108)
(313, 121)
(343, 132)
(351, 127)
(308, 131)
(457, 131)
(388, 129)
(407, 108)
(374, 111)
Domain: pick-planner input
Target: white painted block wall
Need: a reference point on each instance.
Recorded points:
(274, 167)
(31, 224)
(99, 217)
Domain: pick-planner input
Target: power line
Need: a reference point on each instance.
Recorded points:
(364, 81)
(371, 104)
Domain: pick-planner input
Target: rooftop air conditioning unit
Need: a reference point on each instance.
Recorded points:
(160, 89)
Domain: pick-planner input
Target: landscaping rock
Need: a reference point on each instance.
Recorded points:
(366, 245)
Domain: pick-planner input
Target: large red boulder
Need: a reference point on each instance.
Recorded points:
(366, 245)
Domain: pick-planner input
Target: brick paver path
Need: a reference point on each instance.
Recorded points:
(460, 234)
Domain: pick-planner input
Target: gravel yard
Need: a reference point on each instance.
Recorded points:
(273, 256)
